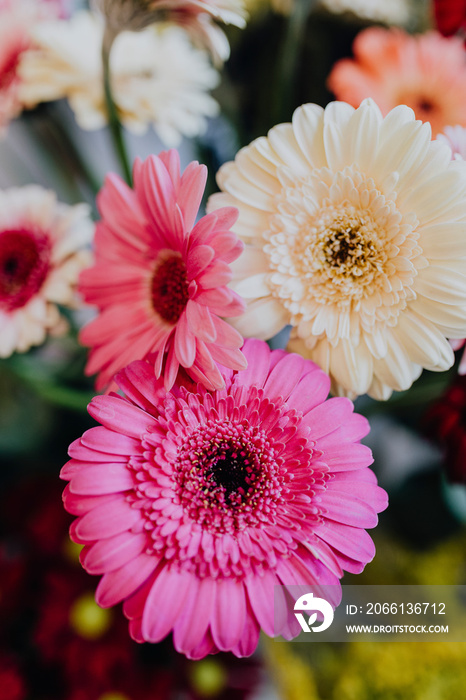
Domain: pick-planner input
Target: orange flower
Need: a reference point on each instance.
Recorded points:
(425, 72)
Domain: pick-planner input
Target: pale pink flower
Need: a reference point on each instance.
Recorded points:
(17, 20)
(455, 137)
(42, 252)
(198, 508)
(426, 72)
(160, 279)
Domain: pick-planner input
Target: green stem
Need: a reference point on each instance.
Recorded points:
(67, 144)
(47, 387)
(114, 123)
(289, 58)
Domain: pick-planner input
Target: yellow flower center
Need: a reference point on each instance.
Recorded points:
(337, 245)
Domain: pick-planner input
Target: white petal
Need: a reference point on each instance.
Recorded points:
(262, 319)
(441, 284)
(442, 241)
(308, 126)
(423, 342)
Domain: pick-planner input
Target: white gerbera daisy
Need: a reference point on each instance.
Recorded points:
(42, 252)
(355, 228)
(158, 77)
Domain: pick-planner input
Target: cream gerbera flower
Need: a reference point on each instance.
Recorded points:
(42, 252)
(158, 77)
(355, 228)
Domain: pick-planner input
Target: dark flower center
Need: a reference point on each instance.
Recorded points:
(227, 474)
(232, 469)
(425, 106)
(169, 289)
(24, 264)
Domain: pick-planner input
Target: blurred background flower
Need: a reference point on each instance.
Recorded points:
(158, 77)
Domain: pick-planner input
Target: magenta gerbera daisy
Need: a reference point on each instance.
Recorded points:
(160, 278)
(199, 506)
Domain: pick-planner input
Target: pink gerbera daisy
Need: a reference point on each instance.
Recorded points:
(426, 72)
(160, 279)
(198, 507)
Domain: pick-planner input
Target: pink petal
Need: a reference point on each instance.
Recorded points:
(192, 188)
(351, 541)
(172, 366)
(229, 614)
(355, 428)
(160, 196)
(107, 441)
(226, 217)
(284, 376)
(250, 638)
(310, 391)
(199, 257)
(227, 245)
(139, 384)
(200, 321)
(368, 493)
(218, 274)
(202, 233)
(350, 511)
(79, 505)
(106, 520)
(165, 603)
(190, 627)
(341, 458)
(114, 552)
(171, 160)
(327, 417)
(117, 585)
(133, 606)
(103, 329)
(206, 646)
(230, 357)
(184, 342)
(271, 612)
(226, 334)
(102, 479)
(86, 454)
(257, 354)
(135, 630)
(119, 415)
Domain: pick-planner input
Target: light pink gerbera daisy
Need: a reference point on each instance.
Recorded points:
(426, 72)
(160, 279)
(199, 507)
(42, 251)
(17, 20)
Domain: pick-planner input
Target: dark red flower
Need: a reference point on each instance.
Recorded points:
(445, 422)
(450, 16)
(12, 682)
